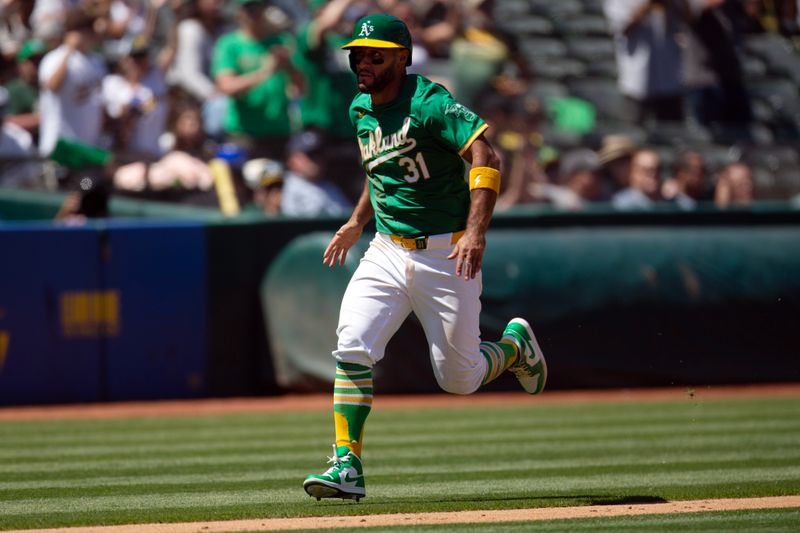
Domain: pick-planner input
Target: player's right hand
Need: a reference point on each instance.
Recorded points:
(73, 39)
(342, 241)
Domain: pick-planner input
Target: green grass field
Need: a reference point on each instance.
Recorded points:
(771, 520)
(143, 470)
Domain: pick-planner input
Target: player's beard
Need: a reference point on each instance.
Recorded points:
(379, 82)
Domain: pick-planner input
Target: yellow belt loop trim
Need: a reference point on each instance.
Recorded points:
(421, 243)
(410, 243)
(484, 178)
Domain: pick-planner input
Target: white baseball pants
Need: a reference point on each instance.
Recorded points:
(389, 283)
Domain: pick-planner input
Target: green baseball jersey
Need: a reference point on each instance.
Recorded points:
(262, 110)
(411, 149)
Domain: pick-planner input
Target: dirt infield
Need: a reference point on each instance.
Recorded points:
(322, 402)
(460, 517)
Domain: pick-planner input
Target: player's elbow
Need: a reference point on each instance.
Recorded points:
(483, 155)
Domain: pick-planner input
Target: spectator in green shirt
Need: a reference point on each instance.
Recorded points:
(23, 91)
(252, 66)
(319, 56)
(333, 86)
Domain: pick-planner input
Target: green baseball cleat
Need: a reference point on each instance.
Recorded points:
(530, 368)
(345, 479)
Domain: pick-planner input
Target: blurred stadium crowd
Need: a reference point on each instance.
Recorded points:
(636, 103)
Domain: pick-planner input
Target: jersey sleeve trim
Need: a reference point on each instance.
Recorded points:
(483, 127)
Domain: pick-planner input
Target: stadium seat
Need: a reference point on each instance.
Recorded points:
(762, 111)
(590, 49)
(761, 135)
(718, 155)
(778, 184)
(764, 183)
(753, 67)
(603, 68)
(787, 182)
(604, 94)
(510, 9)
(537, 47)
(560, 139)
(546, 90)
(678, 134)
(585, 25)
(773, 158)
(528, 25)
(561, 69)
(559, 10)
(777, 53)
(781, 95)
(593, 7)
(611, 127)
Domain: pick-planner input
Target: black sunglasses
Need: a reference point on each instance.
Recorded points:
(375, 58)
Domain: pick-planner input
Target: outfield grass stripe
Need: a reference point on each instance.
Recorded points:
(149, 430)
(473, 422)
(573, 450)
(155, 500)
(535, 434)
(269, 481)
(616, 411)
(525, 459)
(581, 466)
(453, 488)
(18, 447)
(632, 481)
(533, 430)
(431, 449)
(379, 455)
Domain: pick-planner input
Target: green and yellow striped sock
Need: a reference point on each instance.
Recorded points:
(352, 401)
(499, 356)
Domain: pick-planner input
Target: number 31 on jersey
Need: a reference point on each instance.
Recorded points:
(413, 168)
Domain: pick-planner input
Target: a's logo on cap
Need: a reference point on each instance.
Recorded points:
(366, 29)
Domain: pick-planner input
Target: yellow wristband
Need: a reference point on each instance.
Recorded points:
(484, 178)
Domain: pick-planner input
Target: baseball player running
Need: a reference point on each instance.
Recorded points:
(426, 255)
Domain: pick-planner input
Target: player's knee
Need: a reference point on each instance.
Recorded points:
(456, 386)
(355, 357)
(353, 349)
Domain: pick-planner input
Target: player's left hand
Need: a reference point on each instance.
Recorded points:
(468, 253)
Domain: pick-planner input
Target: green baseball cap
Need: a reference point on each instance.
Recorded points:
(31, 48)
(381, 31)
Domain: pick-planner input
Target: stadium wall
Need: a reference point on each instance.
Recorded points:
(616, 300)
(144, 309)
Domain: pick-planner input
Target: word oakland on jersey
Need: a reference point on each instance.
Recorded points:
(411, 149)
